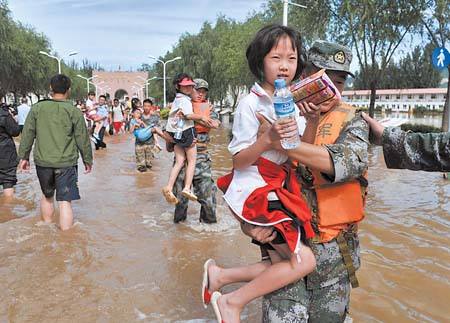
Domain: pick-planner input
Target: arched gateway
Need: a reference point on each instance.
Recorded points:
(119, 84)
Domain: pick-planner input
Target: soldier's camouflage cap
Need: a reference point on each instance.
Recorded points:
(330, 56)
(201, 84)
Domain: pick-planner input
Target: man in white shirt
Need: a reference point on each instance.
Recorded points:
(22, 112)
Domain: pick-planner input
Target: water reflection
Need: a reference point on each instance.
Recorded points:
(126, 261)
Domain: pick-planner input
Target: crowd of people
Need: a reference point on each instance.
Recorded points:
(301, 206)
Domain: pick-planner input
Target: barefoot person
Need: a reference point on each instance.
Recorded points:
(60, 133)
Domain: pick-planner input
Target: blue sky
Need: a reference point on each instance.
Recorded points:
(122, 32)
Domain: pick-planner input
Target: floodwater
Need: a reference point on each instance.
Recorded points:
(125, 261)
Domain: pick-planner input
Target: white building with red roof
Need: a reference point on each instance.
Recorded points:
(402, 100)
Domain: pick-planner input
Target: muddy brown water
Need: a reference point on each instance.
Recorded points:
(125, 261)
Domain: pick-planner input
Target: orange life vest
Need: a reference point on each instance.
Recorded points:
(203, 109)
(339, 204)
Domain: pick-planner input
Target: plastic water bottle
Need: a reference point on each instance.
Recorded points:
(283, 102)
(179, 129)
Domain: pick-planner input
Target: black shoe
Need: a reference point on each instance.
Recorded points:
(207, 221)
(179, 220)
(142, 169)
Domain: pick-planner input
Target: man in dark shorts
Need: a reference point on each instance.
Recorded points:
(8, 155)
(60, 132)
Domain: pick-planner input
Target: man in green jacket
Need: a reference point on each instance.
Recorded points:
(60, 133)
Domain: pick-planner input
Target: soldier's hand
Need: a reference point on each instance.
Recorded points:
(258, 233)
(310, 111)
(376, 129)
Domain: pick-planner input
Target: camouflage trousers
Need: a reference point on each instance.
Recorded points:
(144, 156)
(203, 186)
(296, 304)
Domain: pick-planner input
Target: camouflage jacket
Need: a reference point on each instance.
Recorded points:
(416, 151)
(203, 139)
(349, 155)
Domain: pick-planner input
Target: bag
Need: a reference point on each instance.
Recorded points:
(111, 130)
(316, 89)
(143, 134)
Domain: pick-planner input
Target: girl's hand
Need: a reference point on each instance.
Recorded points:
(310, 111)
(283, 128)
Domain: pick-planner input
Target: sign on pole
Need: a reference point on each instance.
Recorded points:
(440, 58)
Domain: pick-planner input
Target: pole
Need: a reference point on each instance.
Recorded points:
(146, 89)
(285, 12)
(87, 82)
(164, 80)
(59, 65)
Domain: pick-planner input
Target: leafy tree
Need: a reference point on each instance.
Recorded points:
(412, 71)
(375, 28)
(436, 22)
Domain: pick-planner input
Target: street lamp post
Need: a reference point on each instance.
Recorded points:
(141, 86)
(57, 58)
(285, 10)
(164, 71)
(147, 82)
(136, 90)
(88, 80)
(97, 86)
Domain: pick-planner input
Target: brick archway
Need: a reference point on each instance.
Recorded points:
(121, 81)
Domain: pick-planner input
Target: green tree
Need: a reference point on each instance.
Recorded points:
(375, 28)
(436, 22)
(412, 71)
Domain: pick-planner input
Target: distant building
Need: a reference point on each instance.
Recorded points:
(402, 100)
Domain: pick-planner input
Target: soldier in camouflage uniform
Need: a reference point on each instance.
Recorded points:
(414, 151)
(145, 150)
(204, 187)
(324, 295)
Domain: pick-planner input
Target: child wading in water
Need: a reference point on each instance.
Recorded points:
(262, 190)
(185, 148)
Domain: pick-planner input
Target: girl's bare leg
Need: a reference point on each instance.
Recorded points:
(98, 126)
(191, 155)
(273, 278)
(179, 163)
(219, 277)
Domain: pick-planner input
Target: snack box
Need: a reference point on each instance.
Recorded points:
(317, 89)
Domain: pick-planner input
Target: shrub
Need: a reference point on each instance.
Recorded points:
(164, 113)
(420, 109)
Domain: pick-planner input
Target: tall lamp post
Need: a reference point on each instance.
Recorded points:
(57, 58)
(147, 82)
(285, 10)
(97, 86)
(136, 90)
(164, 71)
(88, 80)
(141, 92)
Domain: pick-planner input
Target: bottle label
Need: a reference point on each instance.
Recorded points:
(284, 109)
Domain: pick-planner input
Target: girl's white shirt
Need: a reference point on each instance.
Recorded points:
(181, 103)
(245, 130)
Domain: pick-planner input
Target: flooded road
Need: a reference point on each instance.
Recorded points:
(125, 261)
